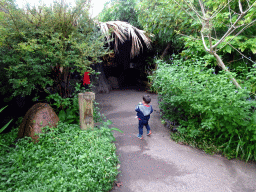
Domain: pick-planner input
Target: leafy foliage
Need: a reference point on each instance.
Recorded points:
(65, 159)
(233, 60)
(221, 25)
(37, 40)
(176, 22)
(165, 19)
(208, 108)
(120, 10)
(68, 108)
(162, 18)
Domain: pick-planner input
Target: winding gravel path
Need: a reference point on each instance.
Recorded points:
(158, 164)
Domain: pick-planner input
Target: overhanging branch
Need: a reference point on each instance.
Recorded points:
(230, 30)
(248, 25)
(206, 48)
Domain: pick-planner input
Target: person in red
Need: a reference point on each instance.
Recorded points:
(86, 80)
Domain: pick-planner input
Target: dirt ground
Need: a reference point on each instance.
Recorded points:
(158, 164)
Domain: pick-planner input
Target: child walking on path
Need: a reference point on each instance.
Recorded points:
(143, 113)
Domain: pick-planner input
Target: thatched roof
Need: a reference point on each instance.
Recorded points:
(122, 31)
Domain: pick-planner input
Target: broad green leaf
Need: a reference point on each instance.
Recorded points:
(228, 49)
(116, 129)
(253, 50)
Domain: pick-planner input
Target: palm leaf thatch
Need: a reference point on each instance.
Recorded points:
(122, 31)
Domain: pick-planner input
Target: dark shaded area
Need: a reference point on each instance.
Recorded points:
(130, 72)
(17, 107)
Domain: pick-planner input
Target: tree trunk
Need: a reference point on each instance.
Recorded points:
(166, 50)
(61, 85)
(100, 81)
(222, 65)
(164, 53)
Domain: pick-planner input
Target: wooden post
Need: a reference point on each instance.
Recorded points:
(86, 109)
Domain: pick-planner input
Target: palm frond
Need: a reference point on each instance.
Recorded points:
(124, 31)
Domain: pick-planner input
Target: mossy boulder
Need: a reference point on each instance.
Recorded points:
(37, 117)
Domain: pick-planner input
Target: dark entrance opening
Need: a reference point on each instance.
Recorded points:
(127, 72)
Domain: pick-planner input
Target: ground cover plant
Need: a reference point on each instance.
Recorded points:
(211, 113)
(65, 159)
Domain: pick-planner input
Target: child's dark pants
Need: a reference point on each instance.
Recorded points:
(141, 124)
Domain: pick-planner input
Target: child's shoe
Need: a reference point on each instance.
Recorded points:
(148, 132)
(140, 136)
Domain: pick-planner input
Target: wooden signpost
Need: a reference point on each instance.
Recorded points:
(86, 109)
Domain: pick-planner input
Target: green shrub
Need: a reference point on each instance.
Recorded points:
(207, 106)
(41, 45)
(64, 159)
(68, 108)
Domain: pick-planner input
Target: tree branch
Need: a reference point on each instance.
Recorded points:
(230, 15)
(221, 64)
(250, 7)
(214, 15)
(202, 7)
(230, 30)
(238, 52)
(210, 41)
(241, 53)
(240, 7)
(166, 50)
(184, 9)
(191, 7)
(248, 25)
(248, 2)
(206, 48)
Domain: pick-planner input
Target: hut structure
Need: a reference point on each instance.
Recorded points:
(125, 66)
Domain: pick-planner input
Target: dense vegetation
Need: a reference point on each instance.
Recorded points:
(120, 11)
(204, 61)
(200, 94)
(211, 113)
(65, 159)
(204, 70)
(42, 46)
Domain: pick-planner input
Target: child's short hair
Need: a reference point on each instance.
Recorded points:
(146, 99)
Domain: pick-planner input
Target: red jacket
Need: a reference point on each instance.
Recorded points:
(86, 79)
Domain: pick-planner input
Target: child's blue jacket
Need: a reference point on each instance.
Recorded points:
(144, 111)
